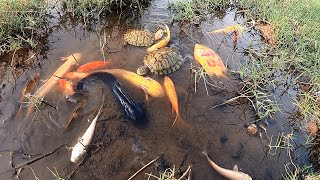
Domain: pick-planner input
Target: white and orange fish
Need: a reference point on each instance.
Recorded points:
(172, 95)
(81, 147)
(229, 174)
(210, 61)
(94, 65)
(161, 43)
(54, 79)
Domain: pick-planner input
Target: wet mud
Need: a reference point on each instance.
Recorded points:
(120, 147)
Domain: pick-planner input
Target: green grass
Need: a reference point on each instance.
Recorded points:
(20, 22)
(196, 10)
(90, 10)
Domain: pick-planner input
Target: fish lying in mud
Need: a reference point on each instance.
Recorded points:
(81, 147)
(94, 65)
(230, 174)
(53, 80)
(172, 95)
(132, 111)
(229, 29)
(210, 61)
(161, 43)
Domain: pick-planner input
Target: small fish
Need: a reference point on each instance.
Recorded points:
(94, 65)
(229, 29)
(158, 35)
(230, 174)
(81, 147)
(66, 86)
(161, 43)
(172, 95)
(53, 80)
(210, 61)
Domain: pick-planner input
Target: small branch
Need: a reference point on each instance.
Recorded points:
(143, 168)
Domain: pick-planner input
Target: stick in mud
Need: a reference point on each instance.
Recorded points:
(32, 160)
(134, 175)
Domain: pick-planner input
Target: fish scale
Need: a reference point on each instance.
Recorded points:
(139, 37)
(163, 61)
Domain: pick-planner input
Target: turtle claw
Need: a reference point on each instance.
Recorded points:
(64, 58)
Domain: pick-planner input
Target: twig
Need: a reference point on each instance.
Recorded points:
(33, 160)
(185, 173)
(143, 168)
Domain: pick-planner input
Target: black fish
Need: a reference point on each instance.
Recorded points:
(132, 110)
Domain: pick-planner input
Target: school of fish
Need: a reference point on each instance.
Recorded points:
(67, 79)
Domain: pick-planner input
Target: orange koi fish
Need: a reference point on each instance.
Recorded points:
(75, 75)
(53, 80)
(229, 29)
(147, 84)
(161, 43)
(66, 86)
(29, 87)
(94, 65)
(172, 95)
(210, 61)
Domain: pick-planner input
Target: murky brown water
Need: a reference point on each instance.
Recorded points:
(119, 147)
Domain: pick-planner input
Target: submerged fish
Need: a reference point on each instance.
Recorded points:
(132, 111)
(210, 61)
(230, 174)
(147, 84)
(161, 43)
(75, 75)
(172, 95)
(28, 88)
(94, 65)
(53, 80)
(66, 86)
(81, 147)
(229, 29)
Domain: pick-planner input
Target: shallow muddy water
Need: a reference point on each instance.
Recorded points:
(119, 147)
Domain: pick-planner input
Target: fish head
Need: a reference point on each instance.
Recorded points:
(77, 152)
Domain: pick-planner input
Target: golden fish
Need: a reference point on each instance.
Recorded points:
(210, 61)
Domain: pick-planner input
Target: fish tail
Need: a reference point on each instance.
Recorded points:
(177, 117)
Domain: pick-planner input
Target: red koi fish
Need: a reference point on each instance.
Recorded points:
(94, 65)
(66, 86)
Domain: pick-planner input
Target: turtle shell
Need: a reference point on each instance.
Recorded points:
(163, 61)
(139, 37)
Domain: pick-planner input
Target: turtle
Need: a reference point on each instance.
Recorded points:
(137, 37)
(162, 61)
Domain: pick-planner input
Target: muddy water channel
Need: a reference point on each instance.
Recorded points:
(119, 147)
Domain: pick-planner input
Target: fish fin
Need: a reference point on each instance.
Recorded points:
(145, 89)
(177, 117)
(172, 110)
(64, 58)
(235, 168)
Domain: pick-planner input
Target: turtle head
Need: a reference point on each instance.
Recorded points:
(143, 70)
